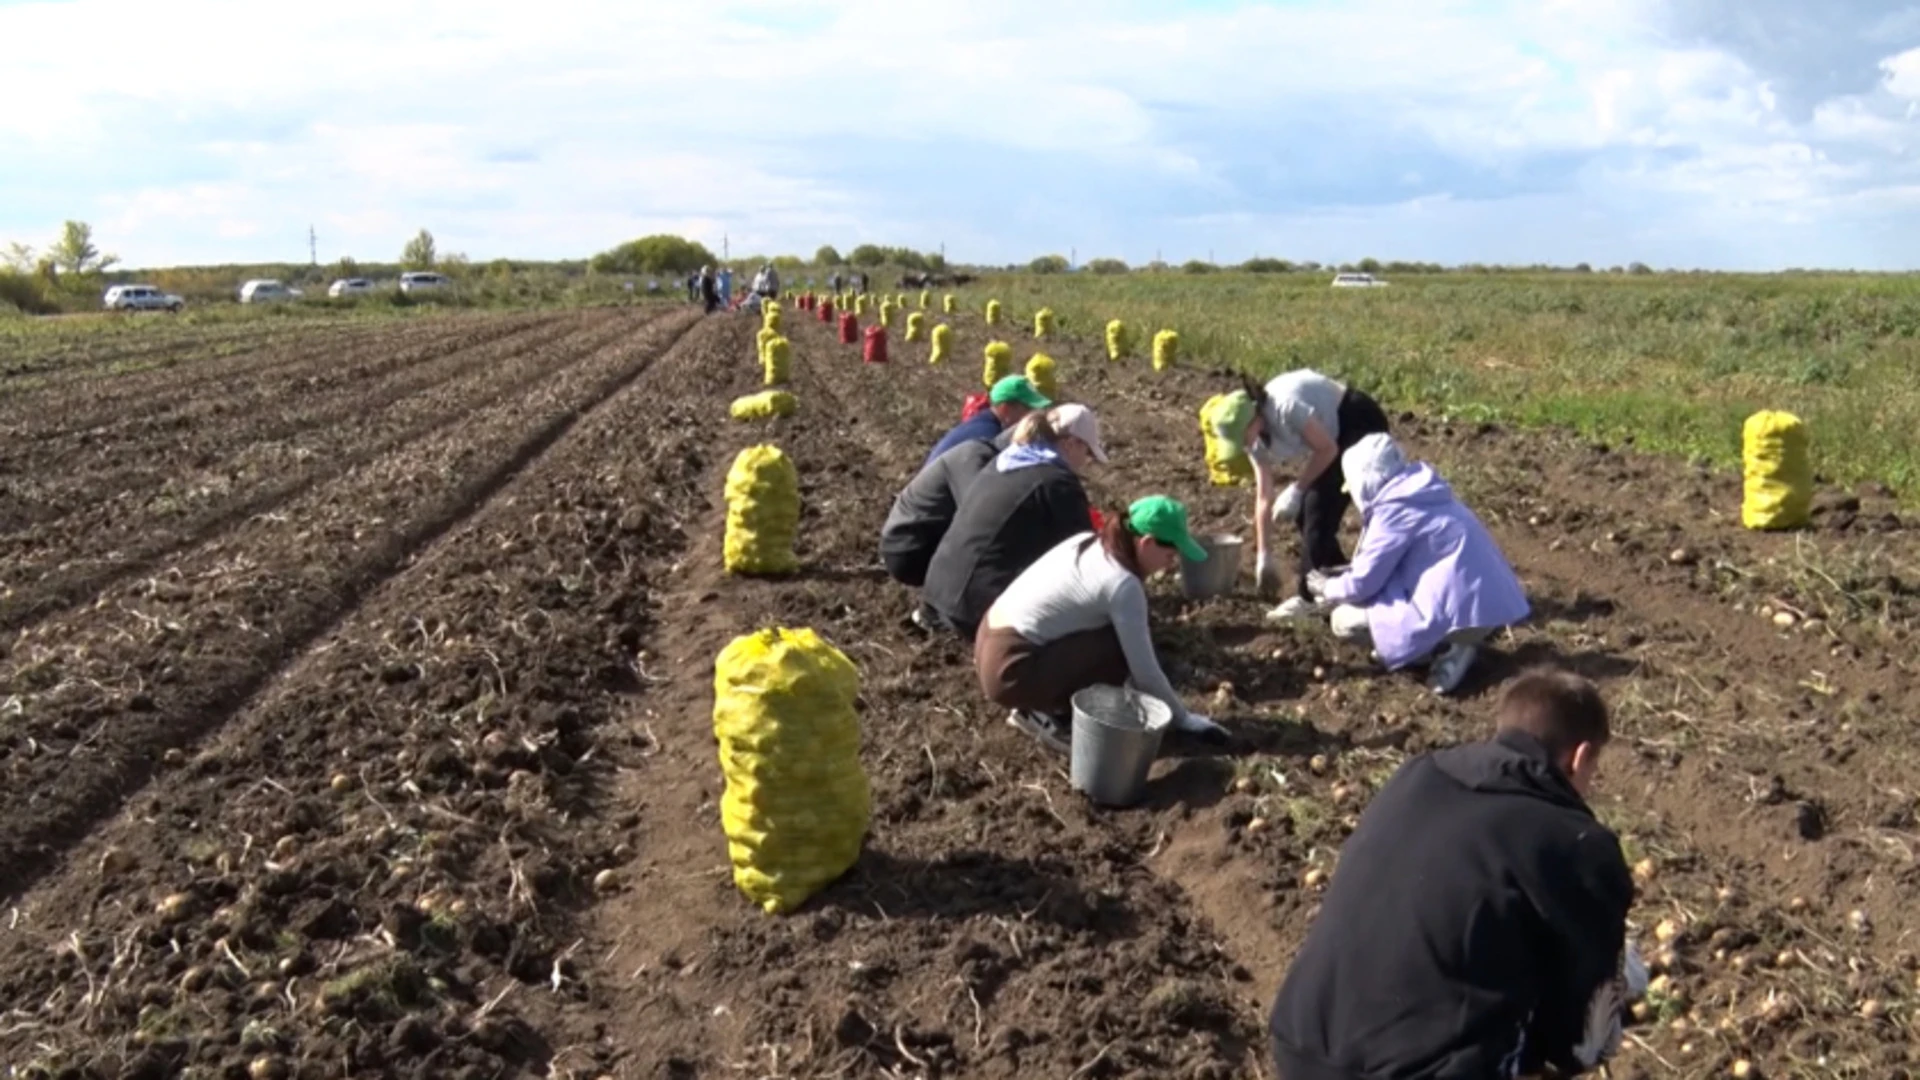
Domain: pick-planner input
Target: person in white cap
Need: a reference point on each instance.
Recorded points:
(1427, 581)
(1022, 505)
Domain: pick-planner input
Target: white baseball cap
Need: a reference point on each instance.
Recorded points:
(1078, 421)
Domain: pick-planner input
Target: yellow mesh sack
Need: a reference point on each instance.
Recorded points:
(999, 362)
(760, 339)
(1166, 349)
(770, 317)
(1043, 323)
(776, 359)
(1779, 472)
(764, 405)
(1042, 373)
(916, 326)
(860, 304)
(947, 304)
(797, 803)
(993, 313)
(886, 314)
(926, 299)
(763, 512)
(900, 301)
(1224, 472)
(1118, 345)
(942, 342)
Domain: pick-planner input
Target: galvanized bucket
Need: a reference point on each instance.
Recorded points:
(1116, 736)
(1216, 576)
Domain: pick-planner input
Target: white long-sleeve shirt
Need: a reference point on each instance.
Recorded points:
(1075, 587)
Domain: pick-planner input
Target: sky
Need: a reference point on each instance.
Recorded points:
(1715, 134)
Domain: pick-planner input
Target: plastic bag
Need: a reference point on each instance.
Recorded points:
(999, 362)
(1043, 323)
(776, 359)
(1223, 471)
(971, 407)
(993, 313)
(764, 405)
(1042, 374)
(763, 513)
(797, 803)
(916, 326)
(1166, 349)
(942, 343)
(1118, 344)
(1779, 472)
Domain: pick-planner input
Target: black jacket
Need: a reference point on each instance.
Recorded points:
(1474, 915)
(925, 508)
(1006, 521)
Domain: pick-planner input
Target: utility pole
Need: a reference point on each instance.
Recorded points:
(724, 254)
(313, 246)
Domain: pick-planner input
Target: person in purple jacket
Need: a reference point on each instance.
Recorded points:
(1427, 580)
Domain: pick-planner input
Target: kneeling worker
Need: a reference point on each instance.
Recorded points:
(1476, 925)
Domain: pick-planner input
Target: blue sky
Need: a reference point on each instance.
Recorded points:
(1731, 134)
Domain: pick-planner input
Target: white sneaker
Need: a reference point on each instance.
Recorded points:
(1294, 607)
(1451, 668)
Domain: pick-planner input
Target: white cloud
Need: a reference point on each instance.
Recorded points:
(219, 132)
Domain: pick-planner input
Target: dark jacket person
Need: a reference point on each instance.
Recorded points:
(1475, 928)
(1018, 508)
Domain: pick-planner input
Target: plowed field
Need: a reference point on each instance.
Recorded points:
(355, 721)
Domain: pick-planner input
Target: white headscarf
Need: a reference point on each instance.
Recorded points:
(1369, 464)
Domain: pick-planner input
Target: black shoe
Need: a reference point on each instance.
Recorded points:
(1052, 732)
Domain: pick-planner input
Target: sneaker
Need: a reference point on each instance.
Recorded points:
(1451, 668)
(920, 619)
(1294, 607)
(1052, 733)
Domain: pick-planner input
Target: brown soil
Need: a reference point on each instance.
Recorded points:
(422, 700)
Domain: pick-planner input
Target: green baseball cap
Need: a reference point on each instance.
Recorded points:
(1231, 415)
(1165, 520)
(1016, 388)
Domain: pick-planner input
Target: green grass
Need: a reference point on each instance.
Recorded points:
(1673, 363)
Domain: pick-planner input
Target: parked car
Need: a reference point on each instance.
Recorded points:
(422, 281)
(1357, 281)
(140, 298)
(266, 291)
(353, 286)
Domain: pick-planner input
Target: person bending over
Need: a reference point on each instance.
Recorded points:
(1475, 928)
(1009, 402)
(1427, 580)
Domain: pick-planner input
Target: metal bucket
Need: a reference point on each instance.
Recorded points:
(1217, 575)
(1116, 735)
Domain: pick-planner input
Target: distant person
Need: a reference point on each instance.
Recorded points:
(1077, 618)
(1428, 582)
(1016, 510)
(1307, 417)
(833, 282)
(693, 287)
(1009, 402)
(726, 286)
(1476, 926)
(710, 289)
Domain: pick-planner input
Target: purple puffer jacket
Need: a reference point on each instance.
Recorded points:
(1425, 568)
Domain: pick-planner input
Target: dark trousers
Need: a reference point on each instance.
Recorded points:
(1017, 674)
(1327, 500)
(908, 567)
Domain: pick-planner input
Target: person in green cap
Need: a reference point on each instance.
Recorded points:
(1299, 416)
(1078, 618)
(1010, 400)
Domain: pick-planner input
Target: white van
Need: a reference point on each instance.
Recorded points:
(422, 281)
(266, 291)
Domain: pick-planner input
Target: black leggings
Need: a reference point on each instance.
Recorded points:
(1326, 500)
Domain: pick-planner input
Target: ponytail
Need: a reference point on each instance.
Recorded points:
(1118, 539)
(1035, 428)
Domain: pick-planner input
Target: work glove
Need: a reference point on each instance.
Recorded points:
(1287, 506)
(1317, 581)
(1200, 727)
(1266, 574)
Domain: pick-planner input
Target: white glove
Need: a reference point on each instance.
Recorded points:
(1195, 724)
(1287, 506)
(1317, 581)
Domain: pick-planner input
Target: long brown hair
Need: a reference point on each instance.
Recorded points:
(1118, 538)
(1035, 427)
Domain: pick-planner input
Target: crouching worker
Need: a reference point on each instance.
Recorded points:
(1016, 510)
(1476, 926)
(1078, 618)
(1427, 580)
(924, 509)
